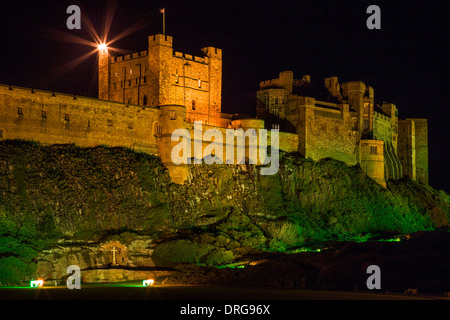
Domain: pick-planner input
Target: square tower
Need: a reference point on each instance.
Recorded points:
(161, 76)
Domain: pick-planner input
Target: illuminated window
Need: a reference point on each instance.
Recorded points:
(199, 83)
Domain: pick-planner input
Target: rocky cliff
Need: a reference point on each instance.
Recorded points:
(60, 204)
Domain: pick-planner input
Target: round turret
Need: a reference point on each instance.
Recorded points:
(171, 118)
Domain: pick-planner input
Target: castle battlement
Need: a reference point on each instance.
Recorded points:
(381, 116)
(190, 57)
(129, 56)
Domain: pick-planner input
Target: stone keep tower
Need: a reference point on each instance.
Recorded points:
(162, 76)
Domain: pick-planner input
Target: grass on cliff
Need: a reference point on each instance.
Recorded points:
(21, 239)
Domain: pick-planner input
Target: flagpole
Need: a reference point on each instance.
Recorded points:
(164, 20)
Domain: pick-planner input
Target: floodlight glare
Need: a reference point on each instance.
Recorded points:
(147, 283)
(36, 283)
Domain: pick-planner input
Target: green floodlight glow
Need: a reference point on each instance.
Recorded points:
(393, 240)
(36, 283)
(306, 249)
(147, 283)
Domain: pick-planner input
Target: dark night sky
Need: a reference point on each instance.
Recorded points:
(406, 62)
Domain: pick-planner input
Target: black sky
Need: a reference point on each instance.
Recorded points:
(406, 62)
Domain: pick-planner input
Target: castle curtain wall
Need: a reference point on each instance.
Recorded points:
(54, 118)
(329, 133)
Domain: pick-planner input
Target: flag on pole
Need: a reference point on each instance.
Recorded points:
(162, 10)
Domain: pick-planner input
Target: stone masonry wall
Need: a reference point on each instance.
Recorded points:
(329, 134)
(130, 81)
(54, 118)
(421, 141)
(407, 147)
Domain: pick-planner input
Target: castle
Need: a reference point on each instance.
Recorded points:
(143, 97)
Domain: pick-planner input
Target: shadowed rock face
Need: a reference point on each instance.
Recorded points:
(420, 261)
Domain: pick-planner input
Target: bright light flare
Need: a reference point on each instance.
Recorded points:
(36, 283)
(102, 47)
(147, 283)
